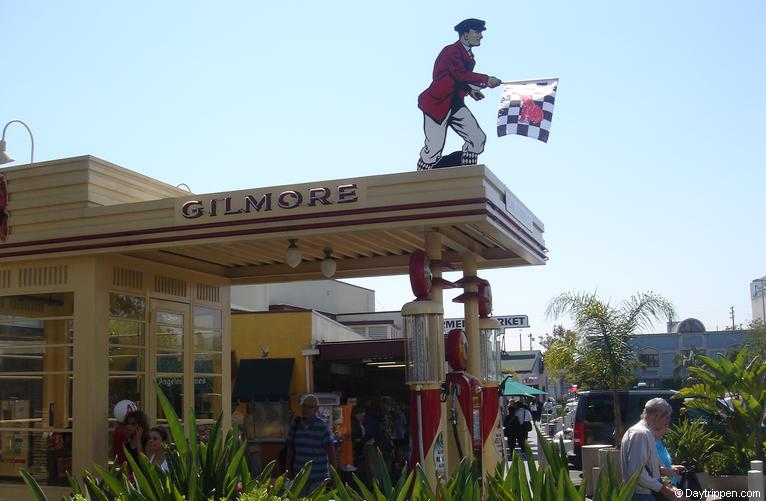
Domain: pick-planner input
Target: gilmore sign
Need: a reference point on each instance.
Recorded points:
(262, 202)
(507, 321)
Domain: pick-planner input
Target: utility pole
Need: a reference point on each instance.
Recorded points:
(731, 314)
(530, 341)
(521, 348)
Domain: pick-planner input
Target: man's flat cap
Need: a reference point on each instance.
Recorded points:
(470, 24)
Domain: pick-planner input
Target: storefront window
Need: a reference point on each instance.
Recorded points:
(173, 388)
(36, 361)
(169, 327)
(127, 351)
(207, 362)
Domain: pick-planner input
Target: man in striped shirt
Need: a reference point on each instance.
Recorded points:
(310, 439)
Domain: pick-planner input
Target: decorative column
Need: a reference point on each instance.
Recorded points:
(470, 301)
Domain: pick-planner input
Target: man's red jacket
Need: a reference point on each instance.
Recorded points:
(453, 71)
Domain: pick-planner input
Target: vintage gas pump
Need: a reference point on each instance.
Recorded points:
(492, 449)
(463, 402)
(424, 360)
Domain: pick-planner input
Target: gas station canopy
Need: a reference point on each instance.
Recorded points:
(368, 225)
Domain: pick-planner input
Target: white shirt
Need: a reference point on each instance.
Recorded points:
(522, 415)
(638, 450)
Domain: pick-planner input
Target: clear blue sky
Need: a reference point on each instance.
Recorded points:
(653, 178)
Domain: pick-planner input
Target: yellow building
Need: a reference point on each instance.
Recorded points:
(110, 281)
(289, 335)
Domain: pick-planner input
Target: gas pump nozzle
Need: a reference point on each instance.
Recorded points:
(455, 390)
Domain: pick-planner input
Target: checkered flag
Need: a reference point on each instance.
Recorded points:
(526, 108)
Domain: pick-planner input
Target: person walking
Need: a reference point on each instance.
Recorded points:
(533, 408)
(638, 451)
(443, 105)
(311, 440)
(524, 417)
(548, 407)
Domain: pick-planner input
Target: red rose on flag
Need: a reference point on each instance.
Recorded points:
(530, 112)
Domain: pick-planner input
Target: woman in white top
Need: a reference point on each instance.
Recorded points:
(154, 447)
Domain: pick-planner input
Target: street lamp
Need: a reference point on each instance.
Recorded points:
(5, 157)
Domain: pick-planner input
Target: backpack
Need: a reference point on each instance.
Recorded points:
(527, 425)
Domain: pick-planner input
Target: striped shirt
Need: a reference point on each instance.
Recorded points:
(310, 443)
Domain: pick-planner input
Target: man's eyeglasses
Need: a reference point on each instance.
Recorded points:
(305, 406)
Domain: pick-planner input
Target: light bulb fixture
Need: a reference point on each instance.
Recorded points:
(293, 254)
(328, 265)
(5, 157)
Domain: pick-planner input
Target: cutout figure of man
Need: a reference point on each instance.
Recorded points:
(443, 102)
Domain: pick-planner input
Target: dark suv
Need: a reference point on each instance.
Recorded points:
(594, 418)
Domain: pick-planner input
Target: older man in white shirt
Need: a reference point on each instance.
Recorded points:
(638, 452)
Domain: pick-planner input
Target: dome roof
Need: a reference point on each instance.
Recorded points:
(689, 325)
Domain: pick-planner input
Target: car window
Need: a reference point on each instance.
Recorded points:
(637, 402)
(598, 408)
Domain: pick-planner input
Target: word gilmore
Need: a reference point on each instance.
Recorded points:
(265, 202)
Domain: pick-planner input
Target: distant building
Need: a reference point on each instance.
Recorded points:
(349, 305)
(758, 299)
(527, 366)
(658, 351)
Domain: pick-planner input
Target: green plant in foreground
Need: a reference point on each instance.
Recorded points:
(691, 443)
(216, 470)
(198, 471)
(734, 391)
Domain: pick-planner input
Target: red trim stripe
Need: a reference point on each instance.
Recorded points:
(240, 222)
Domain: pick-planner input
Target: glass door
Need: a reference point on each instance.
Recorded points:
(169, 347)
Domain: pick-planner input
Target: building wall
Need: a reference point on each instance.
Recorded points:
(758, 299)
(250, 297)
(323, 295)
(667, 346)
(286, 335)
(384, 324)
(89, 281)
(275, 335)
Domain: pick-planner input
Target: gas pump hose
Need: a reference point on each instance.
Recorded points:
(453, 420)
(420, 423)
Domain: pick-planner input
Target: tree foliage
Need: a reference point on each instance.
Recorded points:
(735, 391)
(685, 360)
(604, 355)
(560, 348)
(756, 338)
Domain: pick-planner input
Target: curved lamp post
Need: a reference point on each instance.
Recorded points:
(5, 157)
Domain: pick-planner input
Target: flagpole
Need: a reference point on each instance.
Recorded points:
(532, 80)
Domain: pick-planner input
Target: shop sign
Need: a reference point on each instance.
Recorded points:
(175, 381)
(253, 203)
(507, 321)
(169, 381)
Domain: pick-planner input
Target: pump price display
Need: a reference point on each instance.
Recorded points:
(507, 321)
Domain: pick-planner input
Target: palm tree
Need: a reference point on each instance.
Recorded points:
(605, 333)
